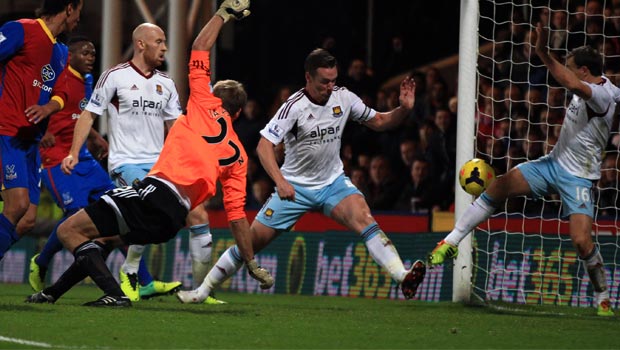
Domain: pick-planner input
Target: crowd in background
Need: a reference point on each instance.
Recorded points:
(411, 169)
(519, 115)
(408, 169)
(520, 106)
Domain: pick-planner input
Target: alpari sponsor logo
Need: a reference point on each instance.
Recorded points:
(41, 86)
(144, 104)
(322, 132)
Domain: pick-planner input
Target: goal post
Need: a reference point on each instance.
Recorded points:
(467, 91)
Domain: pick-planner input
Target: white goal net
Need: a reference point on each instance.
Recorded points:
(524, 254)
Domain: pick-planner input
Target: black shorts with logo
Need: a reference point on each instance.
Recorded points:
(147, 212)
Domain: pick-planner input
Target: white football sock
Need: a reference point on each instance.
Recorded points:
(383, 251)
(229, 263)
(476, 213)
(596, 271)
(132, 260)
(200, 247)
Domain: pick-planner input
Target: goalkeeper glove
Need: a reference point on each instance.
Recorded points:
(237, 9)
(260, 274)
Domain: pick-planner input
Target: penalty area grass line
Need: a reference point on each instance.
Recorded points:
(25, 342)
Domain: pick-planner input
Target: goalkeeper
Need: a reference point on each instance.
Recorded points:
(571, 169)
(201, 148)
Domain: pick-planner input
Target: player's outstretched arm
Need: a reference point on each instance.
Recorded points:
(393, 118)
(562, 75)
(236, 9)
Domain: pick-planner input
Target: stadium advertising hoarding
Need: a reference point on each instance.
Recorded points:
(511, 267)
(534, 269)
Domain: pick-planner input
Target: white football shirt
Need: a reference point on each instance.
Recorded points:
(585, 131)
(137, 107)
(312, 134)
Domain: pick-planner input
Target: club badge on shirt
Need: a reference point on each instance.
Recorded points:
(337, 112)
(47, 73)
(159, 89)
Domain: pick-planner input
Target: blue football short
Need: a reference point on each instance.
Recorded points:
(87, 182)
(281, 215)
(21, 166)
(546, 176)
(128, 174)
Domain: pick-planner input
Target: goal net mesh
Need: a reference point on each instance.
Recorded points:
(524, 254)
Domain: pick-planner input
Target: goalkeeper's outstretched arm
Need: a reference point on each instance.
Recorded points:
(236, 9)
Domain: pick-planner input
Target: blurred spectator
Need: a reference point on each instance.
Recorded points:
(248, 125)
(611, 55)
(408, 153)
(363, 161)
(556, 98)
(359, 80)
(519, 128)
(437, 98)
(425, 132)
(432, 76)
(383, 187)
(397, 59)
(527, 69)
(262, 188)
(586, 27)
(534, 144)
(282, 94)
(453, 105)
(514, 102)
(381, 101)
(534, 101)
(441, 151)
(608, 189)
(359, 177)
(495, 155)
(559, 30)
(420, 193)
(419, 107)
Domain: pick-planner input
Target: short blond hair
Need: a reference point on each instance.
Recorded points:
(233, 95)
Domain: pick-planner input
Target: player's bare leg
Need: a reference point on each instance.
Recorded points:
(354, 213)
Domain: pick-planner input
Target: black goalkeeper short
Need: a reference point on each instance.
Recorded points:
(147, 212)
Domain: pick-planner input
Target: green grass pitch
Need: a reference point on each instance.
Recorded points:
(294, 322)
